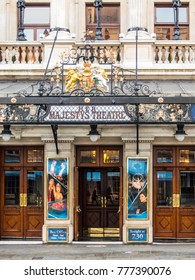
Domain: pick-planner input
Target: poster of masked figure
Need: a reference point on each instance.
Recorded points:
(57, 173)
(137, 170)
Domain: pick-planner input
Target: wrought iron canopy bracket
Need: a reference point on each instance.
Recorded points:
(55, 135)
(94, 100)
(113, 109)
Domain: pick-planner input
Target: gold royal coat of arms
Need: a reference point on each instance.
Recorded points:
(86, 77)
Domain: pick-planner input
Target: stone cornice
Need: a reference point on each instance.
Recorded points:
(60, 139)
(141, 140)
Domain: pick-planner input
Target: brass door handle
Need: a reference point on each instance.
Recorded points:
(176, 200)
(105, 201)
(23, 199)
(102, 201)
(78, 209)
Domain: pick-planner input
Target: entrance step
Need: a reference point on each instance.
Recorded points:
(97, 243)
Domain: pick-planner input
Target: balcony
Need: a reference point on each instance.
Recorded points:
(29, 59)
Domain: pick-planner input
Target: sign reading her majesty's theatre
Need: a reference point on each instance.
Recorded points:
(87, 113)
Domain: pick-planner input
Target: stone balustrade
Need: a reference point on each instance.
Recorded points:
(21, 53)
(174, 52)
(164, 52)
(25, 53)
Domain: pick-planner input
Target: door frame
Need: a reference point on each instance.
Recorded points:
(28, 217)
(173, 221)
(77, 181)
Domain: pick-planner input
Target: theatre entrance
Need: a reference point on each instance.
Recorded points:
(98, 212)
(174, 193)
(21, 190)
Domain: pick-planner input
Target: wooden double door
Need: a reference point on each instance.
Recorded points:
(174, 193)
(21, 192)
(99, 199)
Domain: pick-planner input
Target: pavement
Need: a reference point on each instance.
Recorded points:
(96, 251)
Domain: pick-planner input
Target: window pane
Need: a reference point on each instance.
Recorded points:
(164, 188)
(166, 14)
(187, 184)
(163, 33)
(12, 187)
(110, 21)
(12, 156)
(111, 156)
(111, 33)
(109, 14)
(43, 31)
(88, 156)
(184, 33)
(29, 33)
(35, 155)
(186, 156)
(164, 156)
(34, 189)
(36, 15)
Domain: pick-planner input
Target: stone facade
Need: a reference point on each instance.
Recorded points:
(153, 64)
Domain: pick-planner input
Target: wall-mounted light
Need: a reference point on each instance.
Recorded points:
(180, 133)
(93, 133)
(6, 132)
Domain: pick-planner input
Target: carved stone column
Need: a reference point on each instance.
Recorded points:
(3, 21)
(137, 17)
(60, 18)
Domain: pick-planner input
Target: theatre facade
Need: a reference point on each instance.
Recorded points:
(97, 140)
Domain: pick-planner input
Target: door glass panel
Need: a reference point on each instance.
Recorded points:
(187, 185)
(34, 188)
(186, 156)
(164, 155)
(111, 156)
(12, 156)
(164, 188)
(93, 188)
(113, 186)
(12, 188)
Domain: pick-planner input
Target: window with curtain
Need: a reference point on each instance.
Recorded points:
(164, 21)
(36, 21)
(110, 21)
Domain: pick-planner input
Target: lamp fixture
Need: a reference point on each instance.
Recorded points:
(98, 5)
(6, 132)
(180, 133)
(21, 5)
(93, 133)
(176, 5)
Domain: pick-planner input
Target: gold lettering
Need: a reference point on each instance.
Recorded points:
(52, 115)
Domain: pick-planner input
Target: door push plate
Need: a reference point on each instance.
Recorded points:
(23, 199)
(176, 200)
